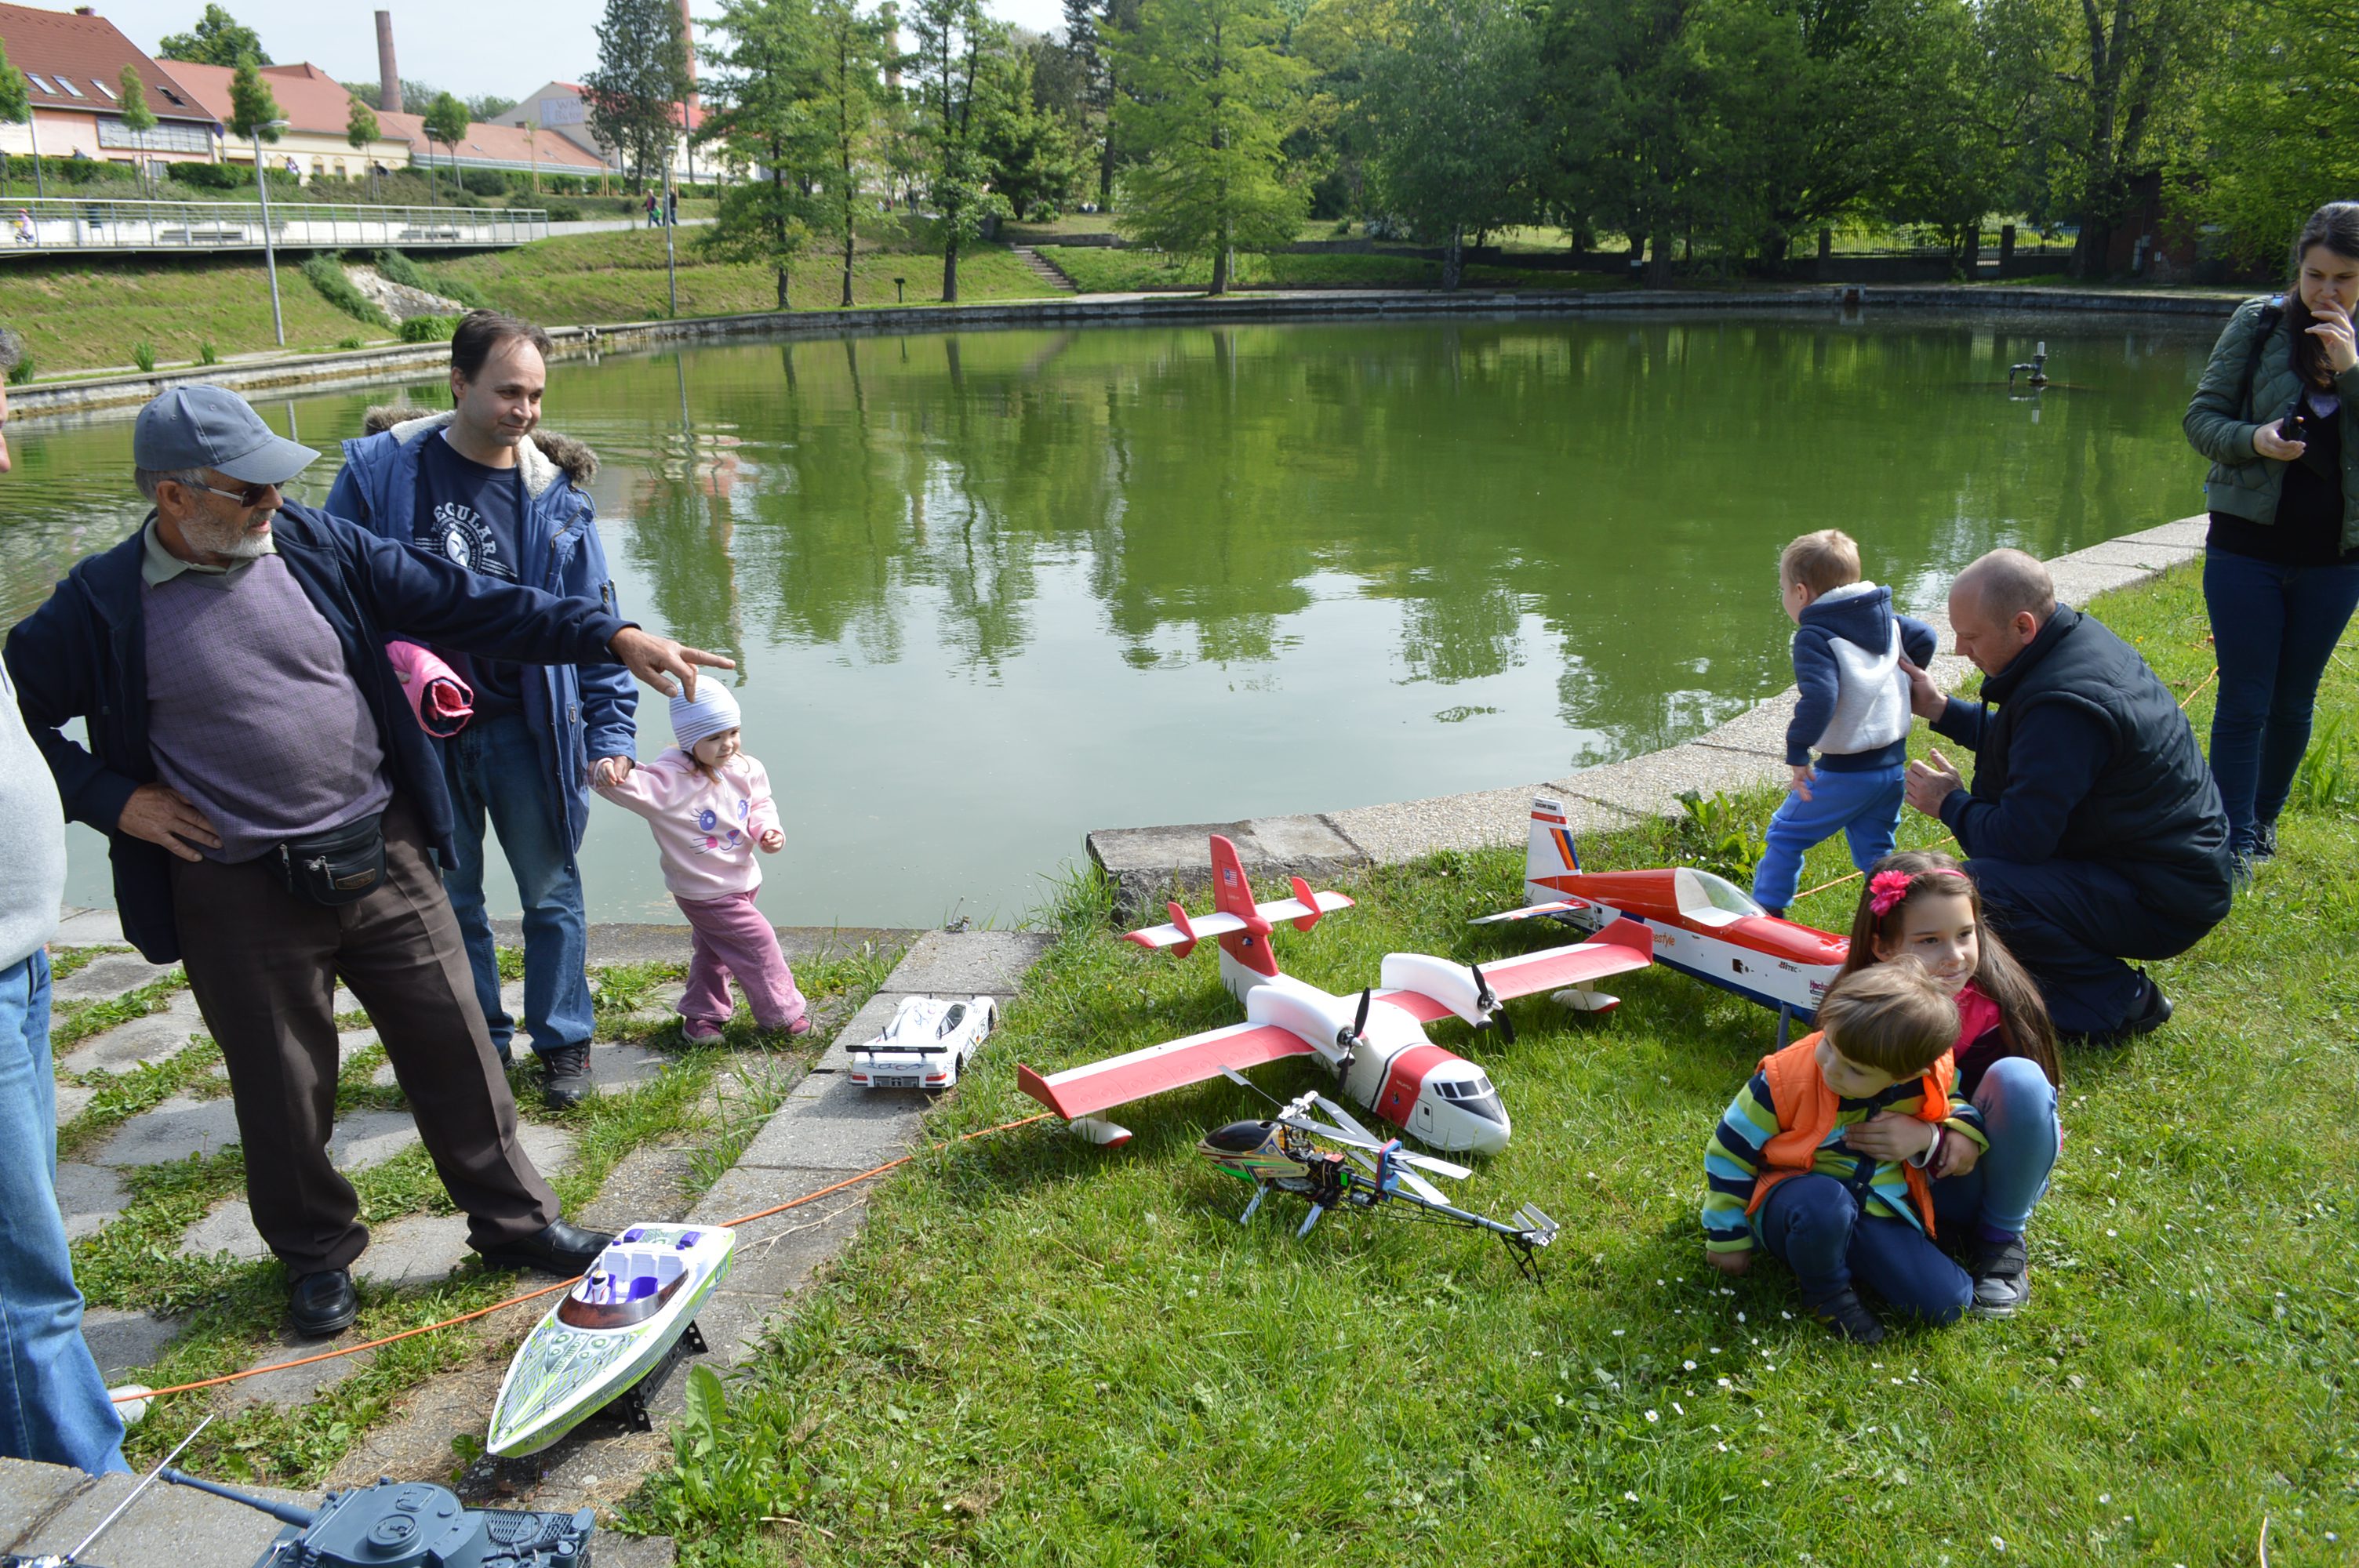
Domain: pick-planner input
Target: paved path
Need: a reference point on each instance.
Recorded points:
(823, 1131)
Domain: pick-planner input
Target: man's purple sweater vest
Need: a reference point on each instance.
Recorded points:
(252, 713)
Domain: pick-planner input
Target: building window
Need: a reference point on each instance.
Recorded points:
(169, 136)
(72, 91)
(112, 96)
(43, 86)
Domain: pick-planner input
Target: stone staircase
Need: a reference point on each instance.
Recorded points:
(1044, 269)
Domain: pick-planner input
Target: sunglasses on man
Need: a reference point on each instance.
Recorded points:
(252, 496)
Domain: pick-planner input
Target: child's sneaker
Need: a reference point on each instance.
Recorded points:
(2002, 1278)
(700, 1033)
(1845, 1313)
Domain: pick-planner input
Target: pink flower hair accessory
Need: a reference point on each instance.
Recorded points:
(1885, 890)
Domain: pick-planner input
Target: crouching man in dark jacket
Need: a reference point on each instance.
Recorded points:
(271, 805)
(2092, 826)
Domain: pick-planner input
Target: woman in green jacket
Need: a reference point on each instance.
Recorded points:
(2278, 413)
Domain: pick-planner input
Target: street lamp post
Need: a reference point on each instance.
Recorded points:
(672, 271)
(269, 250)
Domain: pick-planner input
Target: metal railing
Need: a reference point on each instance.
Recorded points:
(32, 226)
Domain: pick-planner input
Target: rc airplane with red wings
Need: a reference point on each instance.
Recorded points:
(1702, 924)
(1374, 1043)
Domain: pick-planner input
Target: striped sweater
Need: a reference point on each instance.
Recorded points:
(1732, 1159)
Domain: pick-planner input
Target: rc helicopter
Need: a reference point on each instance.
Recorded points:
(1279, 1155)
(1375, 1047)
(1702, 924)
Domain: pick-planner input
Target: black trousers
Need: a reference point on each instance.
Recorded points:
(264, 965)
(2071, 923)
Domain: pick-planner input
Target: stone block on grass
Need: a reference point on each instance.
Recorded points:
(832, 1124)
(1150, 865)
(298, 1385)
(1650, 785)
(968, 963)
(110, 977)
(229, 1228)
(141, 1043)
(88, 1197)
(175, 1130)
(122, 1342)
(370, 1138)
(417, 1249)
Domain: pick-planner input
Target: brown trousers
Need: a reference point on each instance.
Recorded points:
(264, 966)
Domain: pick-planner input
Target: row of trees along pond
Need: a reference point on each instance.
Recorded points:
(1738, 129)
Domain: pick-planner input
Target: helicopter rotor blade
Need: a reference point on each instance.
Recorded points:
(1240, 1079)
(1418, 1185)
(1345, 1119)
(1438, 1167)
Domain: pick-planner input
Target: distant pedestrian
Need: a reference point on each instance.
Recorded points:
(671, 206)
(2278, 413)
(483, 485)
(652, 220)
(53, 1404)
(272, 806)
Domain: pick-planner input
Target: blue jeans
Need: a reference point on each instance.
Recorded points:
(1814, 1224)
(2273, 628)
(1863, 806)
(2019, 1107)
(493, 769)
(53, 1404)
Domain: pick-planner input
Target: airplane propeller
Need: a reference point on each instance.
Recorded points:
(1488, 1005)
(1347, 1038)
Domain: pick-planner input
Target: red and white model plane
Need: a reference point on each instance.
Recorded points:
(1703, 925)
(1373, 1044)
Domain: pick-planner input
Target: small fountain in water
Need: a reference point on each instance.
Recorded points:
(2036, 372)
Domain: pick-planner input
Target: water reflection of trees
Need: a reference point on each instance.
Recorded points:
(1616, 490)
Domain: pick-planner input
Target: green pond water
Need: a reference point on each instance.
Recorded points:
(992, 590)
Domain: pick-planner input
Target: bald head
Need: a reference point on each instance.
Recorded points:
(1997, 605)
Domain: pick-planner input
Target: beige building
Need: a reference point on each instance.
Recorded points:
(316, 108)
(73, 63)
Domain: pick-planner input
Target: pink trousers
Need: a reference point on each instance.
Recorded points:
(731, 938)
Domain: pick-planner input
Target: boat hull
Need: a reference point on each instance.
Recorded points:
(566, 1371)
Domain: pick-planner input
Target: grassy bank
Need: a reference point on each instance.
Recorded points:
(1098, 269)
(87, 315)
(620, 278)
(1043, 1352)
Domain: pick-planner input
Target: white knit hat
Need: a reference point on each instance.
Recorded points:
(711, 711)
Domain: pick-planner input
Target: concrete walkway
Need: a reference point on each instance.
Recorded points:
(1149, 864)
(823, 1131)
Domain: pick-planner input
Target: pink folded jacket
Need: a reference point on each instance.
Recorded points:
(442, 701)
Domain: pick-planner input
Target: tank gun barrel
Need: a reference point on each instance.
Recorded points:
(285, 1513)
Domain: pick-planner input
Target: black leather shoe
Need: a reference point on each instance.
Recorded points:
(1848, 1317)
(565, 1076)
(322, 1304)
(562, 1249)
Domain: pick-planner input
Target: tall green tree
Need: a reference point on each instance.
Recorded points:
(850, 56)
(1629, 80)
(446, 122)
(1206, 94)
(761, 107)
(2280, 126)
(16, 105)
(137, 118)
(1453, 106)
(252, 108)
(218, 38)
(360, 128)
(1035, 152)
(641, 80)
(950, 85)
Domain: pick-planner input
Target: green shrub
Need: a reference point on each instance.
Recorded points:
(1719, 835)
(209, 176)
(207, 354)
(2328, 779)
(350, 343)
(405, 272)
(23, 372)
(428, 329)
(484, 182)
(143, 354)
(564, 212)
(327, 274)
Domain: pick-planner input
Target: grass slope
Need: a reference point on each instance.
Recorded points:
(1040, 1352)
(620, 278)
(84, 316)
(1098, 269)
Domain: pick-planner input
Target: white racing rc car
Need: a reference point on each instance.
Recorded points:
(928, 1043)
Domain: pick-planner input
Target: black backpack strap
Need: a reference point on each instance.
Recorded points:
(2265, 327)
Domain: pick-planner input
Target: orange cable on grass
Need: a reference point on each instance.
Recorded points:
(561, 1285)
(1854, 876)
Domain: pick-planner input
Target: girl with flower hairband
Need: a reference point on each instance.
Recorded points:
(1922, 902)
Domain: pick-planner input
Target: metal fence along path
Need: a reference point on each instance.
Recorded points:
(36, 226)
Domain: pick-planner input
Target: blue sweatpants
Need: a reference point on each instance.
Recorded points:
(1818, 1228)
(1863, 806)
(2019, 1107)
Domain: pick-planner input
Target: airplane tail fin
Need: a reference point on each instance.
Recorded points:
(1551, 850)
(1232, 895)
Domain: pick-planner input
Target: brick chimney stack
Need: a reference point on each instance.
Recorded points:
(687, 35)
(389, 77)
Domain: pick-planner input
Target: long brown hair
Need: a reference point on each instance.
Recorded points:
(2335, 226)
(2024, 1028)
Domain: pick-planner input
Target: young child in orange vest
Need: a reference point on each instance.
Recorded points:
(1782, 1170)
(1923, 903)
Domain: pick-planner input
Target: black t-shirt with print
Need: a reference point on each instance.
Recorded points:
(473, 515)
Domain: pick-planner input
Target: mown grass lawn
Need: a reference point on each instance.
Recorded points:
(620, 278)
(1041, 1352)
(82, 315)
(1099, 269)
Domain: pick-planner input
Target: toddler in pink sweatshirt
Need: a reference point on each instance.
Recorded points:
(709, 805)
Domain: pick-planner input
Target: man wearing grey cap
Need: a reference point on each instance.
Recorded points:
(272, 807)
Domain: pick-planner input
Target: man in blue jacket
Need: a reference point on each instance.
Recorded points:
(272, 807)
(2092, 826)
(482, 486)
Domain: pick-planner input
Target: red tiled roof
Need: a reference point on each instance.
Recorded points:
(501, 143)
(312, 101)
(53, 48)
